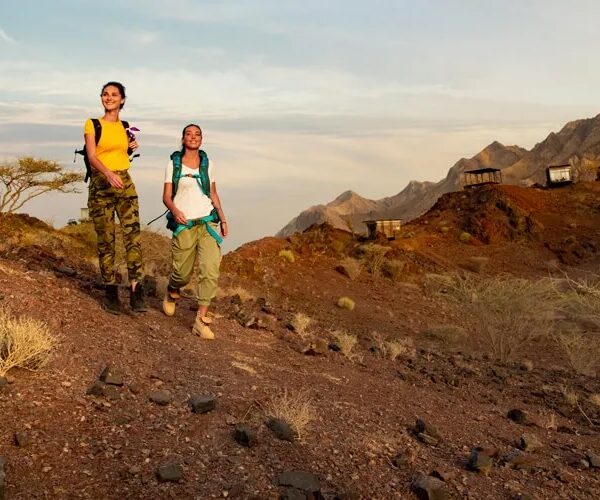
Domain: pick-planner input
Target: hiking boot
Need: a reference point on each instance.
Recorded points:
(168, 304)
(202, 329)
(111, 299)
(137, 300)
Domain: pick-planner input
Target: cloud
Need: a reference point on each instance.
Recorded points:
(4, 36)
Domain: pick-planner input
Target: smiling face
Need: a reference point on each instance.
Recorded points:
(192, 137)
(112, 99)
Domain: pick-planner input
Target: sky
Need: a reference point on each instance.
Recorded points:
(298, 101)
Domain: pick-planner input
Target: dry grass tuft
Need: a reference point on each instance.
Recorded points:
(582, 351)
(571, 397)
(346, 343)
(509, 312)
(24, 343)
(447, 334)
(392, 349)
(346, 303)
(349, 267)
(287, 255)
(243, 366)
(297, 409)
(300, 323)
(392, 269)
(595, 399)
(373, 257)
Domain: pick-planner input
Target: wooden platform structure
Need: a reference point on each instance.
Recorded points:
(481, 177)
(559, 175)
(389, 227)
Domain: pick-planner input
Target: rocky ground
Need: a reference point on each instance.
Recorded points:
(135, 406)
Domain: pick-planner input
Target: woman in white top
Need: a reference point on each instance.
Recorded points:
(195, 218)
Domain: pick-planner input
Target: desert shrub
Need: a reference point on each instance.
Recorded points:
(465, 237)
(445, 229)
(300, 323)
(346, 303)
(373, 256)
(582, 351)
(392, 349)
(349, 267)
(24, 343)
(297, 409)
(570, 396)
(595, 399)
(527, 365)
(509, 312)
(392, 269)
(287, 255)
(581, 300)
(447, 334)
(338, 246)
(345, 342)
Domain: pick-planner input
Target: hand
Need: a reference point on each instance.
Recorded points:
(179, 217)
(114, 180)
(133, 145)
(224, 229)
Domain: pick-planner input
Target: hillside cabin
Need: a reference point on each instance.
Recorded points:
(481, 177)
(389, 227)
(559, 175)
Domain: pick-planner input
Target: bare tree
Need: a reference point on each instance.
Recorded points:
(27, 178)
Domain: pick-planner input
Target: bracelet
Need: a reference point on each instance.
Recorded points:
(223, 222)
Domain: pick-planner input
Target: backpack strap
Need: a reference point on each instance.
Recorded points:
(125, 124)
(175, 176)
(97, 135)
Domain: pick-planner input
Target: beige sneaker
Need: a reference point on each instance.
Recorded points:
(168, 305)
(202, 329)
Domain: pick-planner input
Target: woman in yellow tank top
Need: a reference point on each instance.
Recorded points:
(111, 192)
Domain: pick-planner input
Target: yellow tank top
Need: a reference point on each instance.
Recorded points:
(112, 147)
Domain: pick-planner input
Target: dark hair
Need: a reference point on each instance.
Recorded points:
(119, 86)
(183, 133)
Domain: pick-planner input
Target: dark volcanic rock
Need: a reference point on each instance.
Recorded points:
(530, 442)
(593, 459)
(161, 397)
(111, 376)
(22, 439)
(281, 429)
(171, 472)
(304, 481)
(2, 477)
(518, 416)
(96, 389)
(244, 435)
(429, 488)
(480, 462)
(202, 404)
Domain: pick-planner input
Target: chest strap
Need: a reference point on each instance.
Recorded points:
(195, 222)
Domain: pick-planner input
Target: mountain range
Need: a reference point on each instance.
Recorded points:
(577, 143)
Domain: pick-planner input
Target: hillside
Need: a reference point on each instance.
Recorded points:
(526, 426)
(577, 142)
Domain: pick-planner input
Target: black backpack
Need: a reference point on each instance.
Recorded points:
(97, 135)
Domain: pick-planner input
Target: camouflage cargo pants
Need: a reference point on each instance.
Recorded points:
(103, 202)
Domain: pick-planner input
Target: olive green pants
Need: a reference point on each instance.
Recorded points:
(185, 247)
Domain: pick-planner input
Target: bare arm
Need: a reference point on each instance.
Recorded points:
(170, 204)
(216, 201)
(90, 147)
